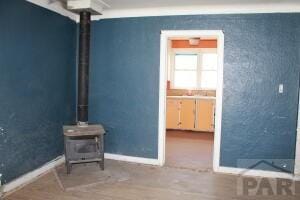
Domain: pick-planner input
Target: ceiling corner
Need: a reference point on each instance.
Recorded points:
(55, 7)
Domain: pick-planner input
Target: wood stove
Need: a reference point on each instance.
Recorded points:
(83, 142)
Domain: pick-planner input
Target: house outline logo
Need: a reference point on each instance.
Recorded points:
(253, 186)
(260, 162)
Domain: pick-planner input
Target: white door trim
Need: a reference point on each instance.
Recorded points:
(297, 150)
(297, 154)
(162, 89)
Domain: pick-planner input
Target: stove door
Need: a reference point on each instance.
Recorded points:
(82, 149)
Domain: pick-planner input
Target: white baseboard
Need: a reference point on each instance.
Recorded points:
(147, 161)
(31, 176)
(254, 172)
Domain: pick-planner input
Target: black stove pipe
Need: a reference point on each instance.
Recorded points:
(83, 67)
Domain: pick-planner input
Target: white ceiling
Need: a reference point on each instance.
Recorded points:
(130, 4)
(139, 8)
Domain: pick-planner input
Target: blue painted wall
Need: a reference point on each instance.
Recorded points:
(37, 85)
(261, 51)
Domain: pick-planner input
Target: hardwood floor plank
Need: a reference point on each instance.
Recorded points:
(139, 182)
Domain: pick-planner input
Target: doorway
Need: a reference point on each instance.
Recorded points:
(185, 90)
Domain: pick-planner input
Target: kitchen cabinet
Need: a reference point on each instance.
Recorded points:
(205, 115)
(173, 108)
(187, 114)
(195, 114)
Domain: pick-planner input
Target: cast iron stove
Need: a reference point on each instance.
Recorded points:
(83, 142)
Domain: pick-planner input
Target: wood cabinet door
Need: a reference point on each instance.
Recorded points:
(187, 114)
(172, 113)
(205, 115)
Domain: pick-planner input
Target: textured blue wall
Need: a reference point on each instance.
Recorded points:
(37, 90)
(261, 51)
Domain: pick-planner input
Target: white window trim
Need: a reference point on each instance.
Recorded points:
(199, 52)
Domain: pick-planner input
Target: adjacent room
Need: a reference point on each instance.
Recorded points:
(191, 99)
(137, 99)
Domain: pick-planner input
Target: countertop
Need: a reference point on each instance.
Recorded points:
(191, 97)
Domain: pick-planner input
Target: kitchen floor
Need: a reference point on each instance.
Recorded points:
(190, 150)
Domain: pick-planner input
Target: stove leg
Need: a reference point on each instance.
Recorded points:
(102, 152)
(68, 167)
(101, 165)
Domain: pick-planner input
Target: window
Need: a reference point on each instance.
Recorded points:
(185, 70)
(209, 70)
(194, 70)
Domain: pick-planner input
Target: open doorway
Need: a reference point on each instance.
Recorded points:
(191, 83)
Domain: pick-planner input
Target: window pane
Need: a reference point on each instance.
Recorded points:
(209, 61)
(209, 79)
(186, 61)
(185, 79)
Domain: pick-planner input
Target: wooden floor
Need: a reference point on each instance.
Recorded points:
(190, 150)
(125, 181)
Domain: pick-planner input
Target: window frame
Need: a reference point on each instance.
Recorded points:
(199, 52)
